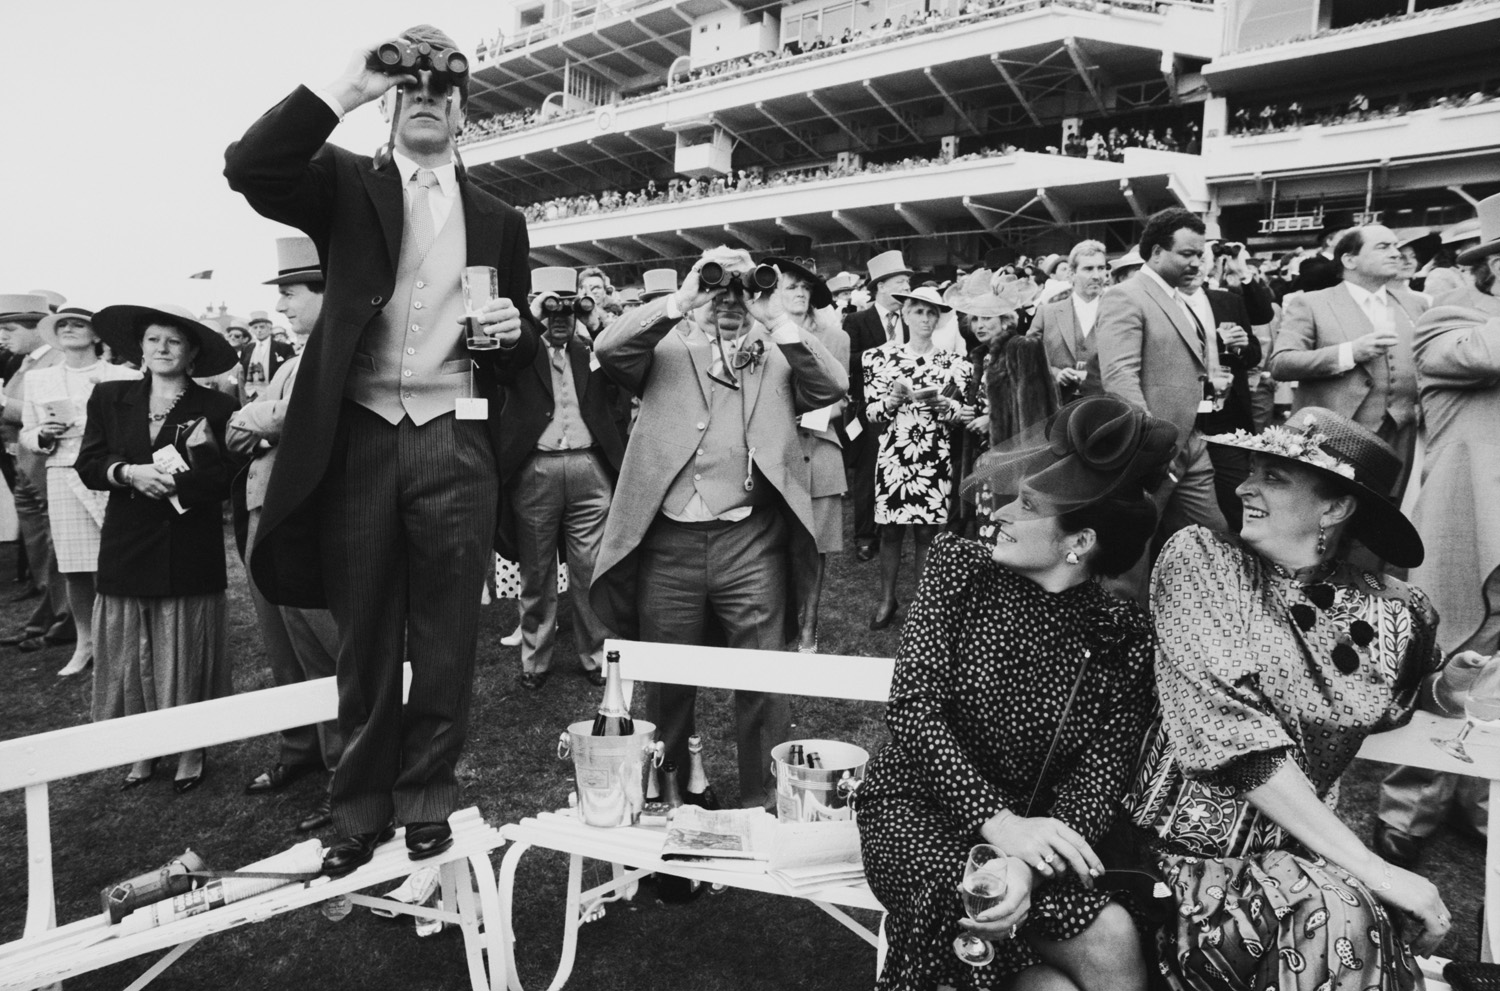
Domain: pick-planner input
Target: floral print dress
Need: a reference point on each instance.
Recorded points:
(914, 462)
(1244, 688)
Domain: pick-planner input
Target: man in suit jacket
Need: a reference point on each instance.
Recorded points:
(1066, 326)
(560, 457)
(712, 481)
(1154, 351)
(383, 503)
(50, 622)
(300, 644)
(1349, 348)
(1457, 353)
(260, 362)
(870, 328)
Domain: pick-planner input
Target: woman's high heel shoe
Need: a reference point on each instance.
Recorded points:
(881, 618)
(76, 667)
(132, 781)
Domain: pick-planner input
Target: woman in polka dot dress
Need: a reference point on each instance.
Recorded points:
(997, 642)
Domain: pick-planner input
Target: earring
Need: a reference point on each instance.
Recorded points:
(1071, 557)
(1322, 540)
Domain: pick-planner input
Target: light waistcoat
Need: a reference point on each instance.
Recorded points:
(716, 472)
(411, 360)
(566, 430)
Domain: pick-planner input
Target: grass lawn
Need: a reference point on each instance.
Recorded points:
(738, 940)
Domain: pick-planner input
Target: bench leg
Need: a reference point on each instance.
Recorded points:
(167, 960)
(1489, 939)
(507, 888)
(492, 939)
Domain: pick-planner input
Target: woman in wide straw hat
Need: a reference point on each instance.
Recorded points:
(159, 615)
(985, 742)
(1277, 659)
(53, 418)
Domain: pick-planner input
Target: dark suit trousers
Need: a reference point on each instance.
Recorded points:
(737, 574)
(407, 516)
(859, 461)
(51, 614)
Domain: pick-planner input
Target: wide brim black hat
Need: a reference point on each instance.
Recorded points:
(122, 326)
(821, 295)
(1358, 462)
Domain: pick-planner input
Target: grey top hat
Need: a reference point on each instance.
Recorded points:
(556, 279)
(658, 282)
(1489, 232)
(887, 264)
(296, 262)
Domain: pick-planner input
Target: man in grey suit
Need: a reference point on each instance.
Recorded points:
(1155, 351)
(301, 644)
(1066, 325)
(1349, 347)
(710, 488)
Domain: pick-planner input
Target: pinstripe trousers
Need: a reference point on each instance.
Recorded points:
(407, 519)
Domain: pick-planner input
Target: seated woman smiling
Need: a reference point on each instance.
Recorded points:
(1021, 690)
(1277, 659)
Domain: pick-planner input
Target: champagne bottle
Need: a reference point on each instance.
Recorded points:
(613, 718)
(699, 791)
(670, 888)
(794, 756)
(814, 761)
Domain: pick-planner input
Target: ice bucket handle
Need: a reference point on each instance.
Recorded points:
(848, 788)
(564, 746)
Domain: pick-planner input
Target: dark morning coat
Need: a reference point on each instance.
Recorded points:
(147, 548)
(353, 209)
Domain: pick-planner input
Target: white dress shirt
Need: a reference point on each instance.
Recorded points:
(1085, 312)
(1375, 305)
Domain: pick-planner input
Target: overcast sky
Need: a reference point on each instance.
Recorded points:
(113, 154)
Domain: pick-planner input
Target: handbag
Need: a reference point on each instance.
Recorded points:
(1126, 850)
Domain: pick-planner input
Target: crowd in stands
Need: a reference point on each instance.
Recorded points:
(903, 27)
(1374, 22)
(1271, 118)
(1109, 146)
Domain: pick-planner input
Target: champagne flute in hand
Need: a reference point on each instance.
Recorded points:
(982, 889)
(1481, 705)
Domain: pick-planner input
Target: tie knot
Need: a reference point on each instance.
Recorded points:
(426, 178)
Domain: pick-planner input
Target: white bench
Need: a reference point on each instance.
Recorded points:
(47, 953)
(866, 679)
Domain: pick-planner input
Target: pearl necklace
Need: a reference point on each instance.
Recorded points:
(159, 417)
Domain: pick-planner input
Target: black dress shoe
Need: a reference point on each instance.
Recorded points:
(29, 593)
(33, 644)
(349, 854)
(866, 552)
(279, 777)
(317, 817)
(427, 839)
(596, 678)
(882, 617)
(131, 781)
(185, 785)
(533, 680)
(1397, 846)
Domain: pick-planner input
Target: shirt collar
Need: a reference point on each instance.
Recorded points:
(447, 174)
(1362, 296)
(1151, 274)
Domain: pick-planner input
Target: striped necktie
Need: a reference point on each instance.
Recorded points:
(421, 211)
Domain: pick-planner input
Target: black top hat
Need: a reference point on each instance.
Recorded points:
(122, 326)
(1358, 461)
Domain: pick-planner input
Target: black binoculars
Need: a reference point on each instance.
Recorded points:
(448, 66)
(760, 279)
(581, 306)
(1231, 248)
(170, 879)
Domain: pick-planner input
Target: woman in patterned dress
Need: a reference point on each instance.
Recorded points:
(904, 387)
(1005, 645)
(52, 422)
(1277, 659)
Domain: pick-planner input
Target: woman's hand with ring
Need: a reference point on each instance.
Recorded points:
(1003, 919)
(1050, 846)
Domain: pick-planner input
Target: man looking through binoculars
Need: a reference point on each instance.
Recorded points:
(383, 501)
(711, 487)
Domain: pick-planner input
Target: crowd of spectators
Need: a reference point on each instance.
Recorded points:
(1271, 118)
(1108, 146)
(1365, 25)
(819, 47)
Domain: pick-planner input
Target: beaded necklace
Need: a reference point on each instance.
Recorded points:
(159, 417)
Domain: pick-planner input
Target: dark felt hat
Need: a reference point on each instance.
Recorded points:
(820, 294)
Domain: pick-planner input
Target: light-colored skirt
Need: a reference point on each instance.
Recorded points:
(153, 654)
(75, 513)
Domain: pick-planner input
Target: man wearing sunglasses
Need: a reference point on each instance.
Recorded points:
(711, 488)
(560, 456)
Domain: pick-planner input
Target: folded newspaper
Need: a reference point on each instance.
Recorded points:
(802, 856)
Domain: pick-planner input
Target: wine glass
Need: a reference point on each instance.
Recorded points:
(982, 888)
(481, 284)
(1481, 705)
